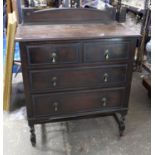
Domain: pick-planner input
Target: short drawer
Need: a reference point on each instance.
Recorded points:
(52, 54)
(106, 50)
(87, 77)
(71, 102)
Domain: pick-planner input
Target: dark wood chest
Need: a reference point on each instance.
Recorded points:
(76, 71)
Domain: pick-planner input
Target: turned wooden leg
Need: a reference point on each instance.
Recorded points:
(120, 119)
(32, 136)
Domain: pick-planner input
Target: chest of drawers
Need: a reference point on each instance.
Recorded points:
(84, 73)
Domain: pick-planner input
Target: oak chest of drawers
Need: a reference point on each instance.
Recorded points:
(85, 72)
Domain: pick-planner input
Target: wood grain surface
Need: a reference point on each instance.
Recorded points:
(72, 31)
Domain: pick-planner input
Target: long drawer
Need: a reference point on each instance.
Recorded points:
(71, 102)
(86, 77)
(53, 54)
(106, 50)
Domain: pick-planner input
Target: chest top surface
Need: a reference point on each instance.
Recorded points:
(72, 31)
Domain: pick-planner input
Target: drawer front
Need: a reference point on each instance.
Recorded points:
(67, 103)
(58, 79)
(53, 54)
(106, 50)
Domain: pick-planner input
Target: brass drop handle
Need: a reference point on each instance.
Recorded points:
(105, 77)
(106, 54)
(54, 83)
(53, 56)
(55, 104)
(104, 101)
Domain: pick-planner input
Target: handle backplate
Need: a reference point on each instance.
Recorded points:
(55, 104)
(53, 57)
(106, 54)
(54, 79)
(104, 101)
(105, 77)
